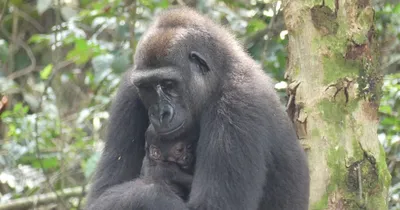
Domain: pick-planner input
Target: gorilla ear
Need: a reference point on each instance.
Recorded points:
(199, 60)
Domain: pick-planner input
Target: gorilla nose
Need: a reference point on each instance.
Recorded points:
(166, 113)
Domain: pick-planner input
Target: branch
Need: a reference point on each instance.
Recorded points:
(13, 40)
(28, 50)
(4, 11)
(36, 126)
(83, 191)
(131, 7)
(42, 199)
(26, 71)
(29, 19)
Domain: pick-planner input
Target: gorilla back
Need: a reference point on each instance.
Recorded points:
(191, 74)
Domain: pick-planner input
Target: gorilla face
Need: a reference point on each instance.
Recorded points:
(172, 90)
(162, 94)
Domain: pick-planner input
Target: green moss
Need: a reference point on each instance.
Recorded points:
(335, 113)
(331, 43)
(321, 204)
(338, 171)
(337, 43)
(385, 176)
(330, 111)
(330, 4)
(337, 68)
(344, 168)
(359, 38)
(370, 82)
(344, 180)
(324, 19)
(358, 154)
(336, 164)
(315, 133)
(296, 71)
(366, 19)
(315, 2)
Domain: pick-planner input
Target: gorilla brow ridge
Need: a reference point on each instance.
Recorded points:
(164, 41)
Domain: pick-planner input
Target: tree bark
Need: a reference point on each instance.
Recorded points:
(334, 92)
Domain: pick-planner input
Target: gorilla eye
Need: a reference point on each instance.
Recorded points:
(179, 151)
(200, 61)
(145, 87)
(168, 87)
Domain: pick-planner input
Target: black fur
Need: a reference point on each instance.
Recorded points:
(247, 156)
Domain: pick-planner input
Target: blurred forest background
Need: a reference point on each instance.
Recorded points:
(61, 62)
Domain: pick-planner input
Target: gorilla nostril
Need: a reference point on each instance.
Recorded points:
(166, 114)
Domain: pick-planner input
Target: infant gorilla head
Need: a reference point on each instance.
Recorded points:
(170, 161)
(179, 151)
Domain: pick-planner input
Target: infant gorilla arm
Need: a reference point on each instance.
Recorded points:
(169, 175)
(190, 73)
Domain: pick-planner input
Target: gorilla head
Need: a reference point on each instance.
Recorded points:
(176, 82)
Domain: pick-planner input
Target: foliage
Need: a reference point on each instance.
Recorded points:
(389, 132)
(388, 29)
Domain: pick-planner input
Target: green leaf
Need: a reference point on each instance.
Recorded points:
(90, 165)
(81, 53)
(39, 38)
(18, 107)
(43, 5)
(5, 114)
(148, 4)
(45, 73)
(255, 25)
(388, 121)
(396, 9)
(11, 130)
(16, 2)
(385, 109)
(163, 4)
(50, 162)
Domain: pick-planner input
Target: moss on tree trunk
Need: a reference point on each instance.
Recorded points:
(334, 94)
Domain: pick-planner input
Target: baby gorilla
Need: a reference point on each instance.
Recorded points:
(169, 161)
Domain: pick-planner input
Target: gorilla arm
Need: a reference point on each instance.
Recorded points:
(231, 160)
(123, 153)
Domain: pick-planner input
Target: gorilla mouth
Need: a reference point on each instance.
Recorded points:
(172, 130)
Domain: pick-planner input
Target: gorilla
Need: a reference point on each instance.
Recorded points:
(169, 161)
(191, 75)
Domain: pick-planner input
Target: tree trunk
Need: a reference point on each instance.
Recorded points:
(334, 91)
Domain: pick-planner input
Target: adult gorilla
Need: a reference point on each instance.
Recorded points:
(191, 74)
